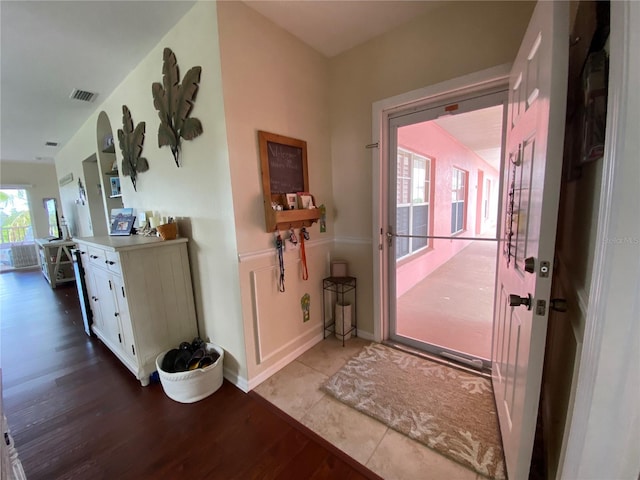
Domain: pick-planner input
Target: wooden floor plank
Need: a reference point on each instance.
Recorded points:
(76, 412)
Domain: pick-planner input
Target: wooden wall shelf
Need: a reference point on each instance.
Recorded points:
(285, 219)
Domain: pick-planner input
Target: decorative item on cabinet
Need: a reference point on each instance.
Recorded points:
(174, 102)
(131, 141)
(283, 162)
(168, 231)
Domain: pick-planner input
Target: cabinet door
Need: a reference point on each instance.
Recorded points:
(92, 292)
(126, 328)
(110, 327)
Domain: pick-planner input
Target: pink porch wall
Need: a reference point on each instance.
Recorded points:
(432, 141)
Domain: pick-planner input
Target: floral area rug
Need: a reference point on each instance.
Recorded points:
(446, 409)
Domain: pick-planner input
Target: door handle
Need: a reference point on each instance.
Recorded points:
(516, 301)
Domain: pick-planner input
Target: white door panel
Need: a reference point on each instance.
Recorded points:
(530, 205)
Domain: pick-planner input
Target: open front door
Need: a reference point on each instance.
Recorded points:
(533, 167)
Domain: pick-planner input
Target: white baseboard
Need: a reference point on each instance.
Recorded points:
(238, 381)
(366, 335)
(247, 385)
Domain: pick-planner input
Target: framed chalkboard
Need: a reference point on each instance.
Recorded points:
(284, 171)
(284, 165)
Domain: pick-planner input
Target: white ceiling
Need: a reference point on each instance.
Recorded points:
(48, 48)
(479, 130)
(332, 27)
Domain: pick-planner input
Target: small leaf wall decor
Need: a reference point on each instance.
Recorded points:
(174, 102)
(131, 141)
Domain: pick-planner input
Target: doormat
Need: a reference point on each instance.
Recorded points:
(446, 409)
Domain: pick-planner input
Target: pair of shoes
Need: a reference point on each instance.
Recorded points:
(176, 360)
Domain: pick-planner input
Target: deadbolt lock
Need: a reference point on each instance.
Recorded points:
(530, 265)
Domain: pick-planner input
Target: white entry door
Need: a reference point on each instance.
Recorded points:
(533, 167)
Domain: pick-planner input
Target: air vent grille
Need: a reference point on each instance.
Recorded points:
(82, 95)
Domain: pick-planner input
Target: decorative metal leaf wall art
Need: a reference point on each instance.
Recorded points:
(131, 141)
(174, 102)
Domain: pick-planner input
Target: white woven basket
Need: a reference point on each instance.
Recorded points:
(192, 385)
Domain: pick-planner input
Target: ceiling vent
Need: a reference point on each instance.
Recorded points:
(51, 144)
(82, 95)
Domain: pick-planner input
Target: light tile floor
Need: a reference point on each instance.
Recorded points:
(296, 390)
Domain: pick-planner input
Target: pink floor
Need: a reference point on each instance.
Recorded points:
(453, 307)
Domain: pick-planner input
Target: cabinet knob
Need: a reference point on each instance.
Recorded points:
(116, 314)
(109, 262)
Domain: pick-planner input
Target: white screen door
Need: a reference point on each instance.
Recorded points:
(442, 260)
(533, 167)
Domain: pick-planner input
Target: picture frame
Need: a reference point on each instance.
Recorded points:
(115, 187)
(122, 225)
(305, 200)
(292, 201)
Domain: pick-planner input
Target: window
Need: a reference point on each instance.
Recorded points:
(413, 177)
(15, 229)
(458, 200)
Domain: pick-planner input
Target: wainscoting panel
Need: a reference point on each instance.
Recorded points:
(274, 320)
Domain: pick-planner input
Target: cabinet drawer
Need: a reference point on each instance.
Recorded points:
(113, 262)
(96, 257)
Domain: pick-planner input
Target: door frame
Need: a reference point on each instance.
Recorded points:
(467, 100)
(496, 78)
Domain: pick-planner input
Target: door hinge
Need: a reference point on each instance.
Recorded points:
(541, 307)
(119, 338)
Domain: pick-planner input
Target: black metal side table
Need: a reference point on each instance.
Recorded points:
(338, 287)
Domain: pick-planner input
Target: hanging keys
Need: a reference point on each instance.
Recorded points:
(292, 237)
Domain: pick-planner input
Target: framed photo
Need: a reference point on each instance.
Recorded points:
(115, 187)
(122, 225)
(292, 201)
(305, 200)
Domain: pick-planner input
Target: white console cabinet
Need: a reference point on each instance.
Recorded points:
(141, 297)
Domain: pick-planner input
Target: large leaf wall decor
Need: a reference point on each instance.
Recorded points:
(131, 141)
(174, 102)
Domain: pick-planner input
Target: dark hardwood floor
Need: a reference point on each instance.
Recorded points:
(76, 412)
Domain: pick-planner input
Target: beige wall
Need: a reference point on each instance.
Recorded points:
(198, 193)
(273, 82)
(454, 40)
(44, 184)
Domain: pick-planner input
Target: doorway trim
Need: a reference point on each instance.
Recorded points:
(495, 77)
